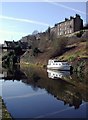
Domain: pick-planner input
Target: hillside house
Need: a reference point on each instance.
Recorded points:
(9, 44)
(68, 26)
(13, 44)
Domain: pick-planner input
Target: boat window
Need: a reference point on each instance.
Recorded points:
(49, 63)
(56, 61)
(49, 74)
(64, 63)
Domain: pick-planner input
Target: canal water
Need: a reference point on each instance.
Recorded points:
(30, 92)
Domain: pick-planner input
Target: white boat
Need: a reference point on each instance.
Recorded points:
(55, 64)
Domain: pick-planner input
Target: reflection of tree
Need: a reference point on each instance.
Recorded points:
(35, 79)
(77, 102)
(14, 73)
(60, 89)
(35, 88)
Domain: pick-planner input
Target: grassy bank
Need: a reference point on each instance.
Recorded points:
(77, 56)
(5, 113)
(28, 64)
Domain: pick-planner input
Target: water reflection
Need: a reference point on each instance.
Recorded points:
(13, 73)
(55, 74)
(66, 88)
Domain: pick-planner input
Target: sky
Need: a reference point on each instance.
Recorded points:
(18, 19)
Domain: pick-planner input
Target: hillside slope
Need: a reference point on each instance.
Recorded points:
(70, 48)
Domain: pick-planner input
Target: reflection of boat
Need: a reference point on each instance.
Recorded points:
(57, 74)
(55, 64)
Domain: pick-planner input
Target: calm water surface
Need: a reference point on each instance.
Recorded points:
(41, 93)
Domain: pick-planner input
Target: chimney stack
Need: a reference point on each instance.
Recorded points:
(66, 19)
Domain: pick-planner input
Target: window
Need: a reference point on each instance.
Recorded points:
(70, 26)
(49, 74)
(70, 31)
(65, 23)
(71, 23)
(60, 33)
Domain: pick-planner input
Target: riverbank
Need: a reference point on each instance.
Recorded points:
(5, 113)
(0, 108)
(79, 65)
(28, 64)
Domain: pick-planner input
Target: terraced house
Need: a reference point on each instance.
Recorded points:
(68, 26)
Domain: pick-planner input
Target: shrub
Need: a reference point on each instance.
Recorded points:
(58, 46)
(83, 39)
(80, 66)
(71, 58)
(79, 34)
(36, 51)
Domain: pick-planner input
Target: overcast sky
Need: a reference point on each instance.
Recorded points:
(18, 19)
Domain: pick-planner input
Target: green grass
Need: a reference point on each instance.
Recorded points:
(5, 113)
(79, 51)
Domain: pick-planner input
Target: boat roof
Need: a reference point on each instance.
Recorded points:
(55, 60)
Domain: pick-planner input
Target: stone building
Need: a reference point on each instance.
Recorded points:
(68, 26)
(9, 44)
(12, 44)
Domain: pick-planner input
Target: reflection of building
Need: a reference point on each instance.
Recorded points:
(73, 99)
(57, 74)
(68, 26)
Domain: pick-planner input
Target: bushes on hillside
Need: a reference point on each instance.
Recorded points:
(36, 51)
(79, 34)
(71, 58)
(58, 46)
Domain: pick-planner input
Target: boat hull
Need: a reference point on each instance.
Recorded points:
(59, 67)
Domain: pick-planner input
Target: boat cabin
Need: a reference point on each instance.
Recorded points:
(57, 62)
